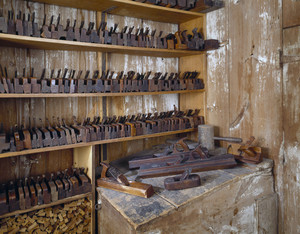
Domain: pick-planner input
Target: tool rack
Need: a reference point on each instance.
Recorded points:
(87, 154)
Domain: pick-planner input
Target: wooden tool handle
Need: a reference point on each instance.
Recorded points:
(229, 139)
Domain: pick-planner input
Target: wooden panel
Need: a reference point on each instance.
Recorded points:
(244, 86)
(53, 44)
(291, 120)
(217, 83)
(128, 7)
(254, 77)
(291, 16)
(83, 157)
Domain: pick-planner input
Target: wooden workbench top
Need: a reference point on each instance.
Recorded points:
(138, 211)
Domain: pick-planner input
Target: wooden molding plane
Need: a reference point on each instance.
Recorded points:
(117, 181)
(247, 152)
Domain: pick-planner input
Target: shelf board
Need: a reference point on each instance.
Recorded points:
(63, 147)
(70, 95)
(38, 207)
(130, 8)
(10, 40)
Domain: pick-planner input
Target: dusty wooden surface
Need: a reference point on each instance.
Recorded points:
(291, 106)
(244, 81)
(291, 16)
(225, 202)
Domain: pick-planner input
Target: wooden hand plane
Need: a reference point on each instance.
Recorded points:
(112, 178)
(184, 181)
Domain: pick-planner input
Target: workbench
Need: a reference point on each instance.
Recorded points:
(237, 200)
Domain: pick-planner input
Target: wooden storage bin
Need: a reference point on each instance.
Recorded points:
(229, 200)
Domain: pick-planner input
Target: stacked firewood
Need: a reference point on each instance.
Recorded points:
(74, 217)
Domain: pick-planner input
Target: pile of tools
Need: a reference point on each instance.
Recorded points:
(73, 217)
(30, 192)
(180, 160)
(202, 6)
(109, 82)
(124, 37)
(21, 138)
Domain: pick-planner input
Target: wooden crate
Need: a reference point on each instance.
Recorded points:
(235, 200)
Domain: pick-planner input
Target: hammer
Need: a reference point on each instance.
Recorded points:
(206, 137)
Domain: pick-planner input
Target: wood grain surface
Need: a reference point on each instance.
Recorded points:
(291, 110)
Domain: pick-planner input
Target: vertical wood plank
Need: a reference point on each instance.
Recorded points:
(217, 83)
(291, 125)
(290, 10)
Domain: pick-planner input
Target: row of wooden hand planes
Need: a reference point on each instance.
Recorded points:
(29, 192)
(125, 37)
(109, 82)
(109, 128)
(202, 6)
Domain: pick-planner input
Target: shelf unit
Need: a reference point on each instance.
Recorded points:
(84, 154)
(80, 145)
(130, 8)
(9, 40)
(72, 95)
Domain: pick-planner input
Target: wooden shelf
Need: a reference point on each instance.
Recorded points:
(130, 8)
(62, 201)
(63, 147)
(68, 95)
(10, 40)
